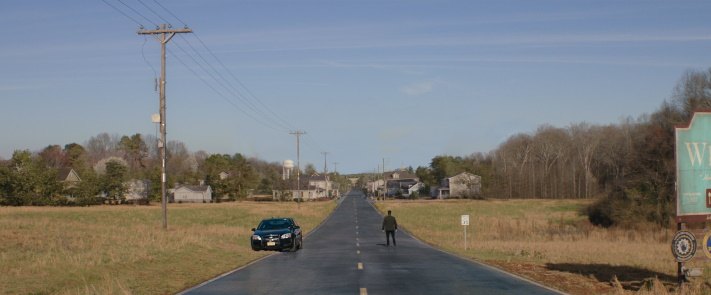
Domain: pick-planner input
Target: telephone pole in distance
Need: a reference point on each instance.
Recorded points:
(298, 134)
(163, 34)
(325, 171)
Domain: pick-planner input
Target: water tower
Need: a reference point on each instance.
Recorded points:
(286, 169)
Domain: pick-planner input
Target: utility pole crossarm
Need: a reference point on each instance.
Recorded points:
(164, 30)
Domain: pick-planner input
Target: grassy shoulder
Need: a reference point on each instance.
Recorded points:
(546, 240)
(123, 249)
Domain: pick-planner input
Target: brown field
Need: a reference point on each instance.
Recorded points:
(549, 241)
(123, 249)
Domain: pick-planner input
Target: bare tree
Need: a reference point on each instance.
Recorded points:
(102, 146)
(585, 140)
(549, 146)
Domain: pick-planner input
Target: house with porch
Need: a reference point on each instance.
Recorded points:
(70, 181)
(462, 185)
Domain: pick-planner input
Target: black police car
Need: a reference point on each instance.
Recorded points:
(277, 234)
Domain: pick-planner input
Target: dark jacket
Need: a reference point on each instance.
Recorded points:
(389, 223)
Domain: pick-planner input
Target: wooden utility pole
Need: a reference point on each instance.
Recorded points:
(163, 34)
(325, 167)
(325, 171)
(385, 184)
(298, 134)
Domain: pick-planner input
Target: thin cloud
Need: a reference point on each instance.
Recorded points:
(417, 89)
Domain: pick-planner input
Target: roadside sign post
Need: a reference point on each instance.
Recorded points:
(693, 184)
(465, 223)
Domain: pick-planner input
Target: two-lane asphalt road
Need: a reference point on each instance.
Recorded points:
(347, 255)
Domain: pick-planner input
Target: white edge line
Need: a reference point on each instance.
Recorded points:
(258, 259)
(472, 260)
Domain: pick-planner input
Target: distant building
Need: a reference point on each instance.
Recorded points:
(192, 194)
(411, 189)
(398, 183)
(375, 186)
(68, 177)
(137, 190)
(314, 187)
(462, 185)
(70, 181)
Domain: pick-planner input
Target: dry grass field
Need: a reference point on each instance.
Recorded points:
(123, 249)
(548, 241)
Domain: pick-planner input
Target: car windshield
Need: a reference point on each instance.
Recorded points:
(274, 224)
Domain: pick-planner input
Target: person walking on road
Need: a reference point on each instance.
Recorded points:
(390, 227)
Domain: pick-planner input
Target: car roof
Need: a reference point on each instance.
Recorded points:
(278, 218)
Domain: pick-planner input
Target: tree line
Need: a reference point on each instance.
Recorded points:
(628, 167)
(105, 162)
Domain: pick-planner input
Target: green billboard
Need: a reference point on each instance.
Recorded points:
(693, 169)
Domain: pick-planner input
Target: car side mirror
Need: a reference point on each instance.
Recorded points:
(253, 229)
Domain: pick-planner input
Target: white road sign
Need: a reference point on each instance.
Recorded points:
(465, 219)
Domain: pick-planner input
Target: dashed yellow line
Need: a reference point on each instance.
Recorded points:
(363, 291)
(360, 265)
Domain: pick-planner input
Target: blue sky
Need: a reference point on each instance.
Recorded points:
(400, 80)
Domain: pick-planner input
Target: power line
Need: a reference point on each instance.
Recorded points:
(239, 82)
(220, 84)
(171, 13)
(310, 141)
(224, 97)
(143, 54)
(123, 13)
(232, 89)
(238, 94)
(269, 119)
(154, 12)
(139, 14)
(249, 100)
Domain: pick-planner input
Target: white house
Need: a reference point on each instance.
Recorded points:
(406, 192)
(462, 185)
(137, 190)
(375, 186)
(315, 187)
(320, 181)
(192, 194)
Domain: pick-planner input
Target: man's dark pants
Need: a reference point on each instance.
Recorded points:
(389, 233)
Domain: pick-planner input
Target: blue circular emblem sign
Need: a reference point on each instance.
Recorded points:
(706, 246)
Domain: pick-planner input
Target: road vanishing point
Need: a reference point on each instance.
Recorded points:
(347, 255)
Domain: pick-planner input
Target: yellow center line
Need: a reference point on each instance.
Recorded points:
(363, 291)
(360, 266)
